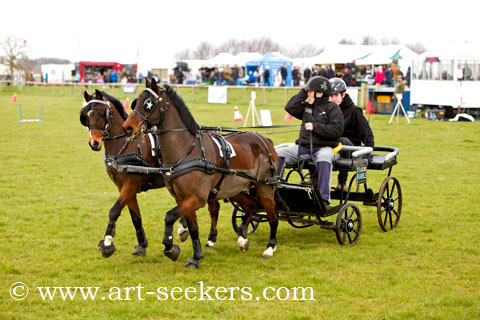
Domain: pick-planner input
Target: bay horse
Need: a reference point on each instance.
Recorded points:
(181, 139)
(103, 115)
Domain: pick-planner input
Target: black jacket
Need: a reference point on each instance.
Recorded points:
(356, 127)
(326, 117)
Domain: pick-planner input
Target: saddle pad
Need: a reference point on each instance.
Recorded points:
(220, 147)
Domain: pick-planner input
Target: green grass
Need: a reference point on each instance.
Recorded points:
(55, 198)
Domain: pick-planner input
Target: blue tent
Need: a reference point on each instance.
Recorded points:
(275, 63)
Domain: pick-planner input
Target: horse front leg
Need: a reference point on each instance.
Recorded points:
(171, 250)
(106, 246)
(213, 209)
(141, 248)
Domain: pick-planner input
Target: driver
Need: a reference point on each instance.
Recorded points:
(322, 126)
(356, 130)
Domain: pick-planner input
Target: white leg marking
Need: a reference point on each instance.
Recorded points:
(242, 241)
(210, 243)
(181, 229)
(269, 252)
(108, 241)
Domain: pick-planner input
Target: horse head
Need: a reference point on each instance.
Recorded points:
(97, 116)
(148, 109)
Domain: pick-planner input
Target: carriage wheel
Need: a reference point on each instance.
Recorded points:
(348, 226)
(389, 204)
(237, 219)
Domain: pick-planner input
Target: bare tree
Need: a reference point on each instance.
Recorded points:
(346, 41)
(417, 47)
(15, 49)
(368, 40)
(303, 51)
(183, 55)
(204, 51)
(386, 41)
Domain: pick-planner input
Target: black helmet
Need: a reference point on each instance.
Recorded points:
(338, 85)
(319, 83)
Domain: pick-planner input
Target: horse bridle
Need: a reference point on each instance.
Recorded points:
(108, 118)
(150, 107)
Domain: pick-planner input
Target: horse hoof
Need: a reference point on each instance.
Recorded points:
(183, 235)
(173, 253)
(139, 251)
(269, 252)
(244, 244)
(106, 251)
(192, 263)
(209, 244)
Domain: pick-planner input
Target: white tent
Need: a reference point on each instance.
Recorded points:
(242, 57)
(221, 59)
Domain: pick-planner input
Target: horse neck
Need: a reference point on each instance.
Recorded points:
(174, 145)
(113, 146)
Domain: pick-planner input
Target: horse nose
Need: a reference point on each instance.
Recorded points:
(95, 143)
(128, 130)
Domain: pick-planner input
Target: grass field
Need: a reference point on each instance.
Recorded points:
(55, 198)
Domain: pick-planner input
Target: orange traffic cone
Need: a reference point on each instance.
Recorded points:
(237, 116)
(369, 109)
(14, 98)
(287, 117)
(125, 105)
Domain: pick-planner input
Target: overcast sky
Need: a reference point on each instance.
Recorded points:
(117, 30)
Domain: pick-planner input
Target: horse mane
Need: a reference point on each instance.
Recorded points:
(183, 110)
(118, 105)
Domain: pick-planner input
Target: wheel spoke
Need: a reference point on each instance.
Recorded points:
(344, 236)
(351, 213)
(349, 238)
(390, 215)
(388, 190)
(356, 232)
(395, 211)
(393, 188)
(385, 221)
(383, 210)
(395, 199)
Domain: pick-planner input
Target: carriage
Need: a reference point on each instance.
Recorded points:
(302, 206)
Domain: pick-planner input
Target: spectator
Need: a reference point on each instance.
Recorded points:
(399, 88)
(307, 74)
(329, 73)
(295, 75)
(283, 72)
(266, 77)
(389, 76)
(347, 77)
(379, 76)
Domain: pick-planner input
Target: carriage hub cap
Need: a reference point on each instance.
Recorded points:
(350, 224)
(391, 204)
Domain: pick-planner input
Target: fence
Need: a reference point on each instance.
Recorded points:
(194, 93)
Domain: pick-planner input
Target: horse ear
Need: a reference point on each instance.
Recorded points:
(154, 85)
(86, 96)
(98, 94)
(134, 104)
(147, 83)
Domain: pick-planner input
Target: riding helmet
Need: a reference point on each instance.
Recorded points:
(338, 85)
(319, 83)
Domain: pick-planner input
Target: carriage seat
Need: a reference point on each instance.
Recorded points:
(346, 164)
(383, 161)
